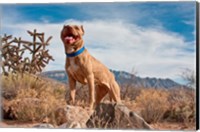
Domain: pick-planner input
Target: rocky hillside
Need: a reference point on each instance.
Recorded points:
(130, 79)
(123, 78)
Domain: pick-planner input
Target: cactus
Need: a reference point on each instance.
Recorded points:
(13, 57)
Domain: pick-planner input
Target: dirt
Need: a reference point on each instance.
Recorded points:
(17, 124)
(172, 126)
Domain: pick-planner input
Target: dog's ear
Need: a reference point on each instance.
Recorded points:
(61, 33)
(82, 29)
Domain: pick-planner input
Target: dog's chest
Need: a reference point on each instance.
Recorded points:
(73, 67)
(76, 71)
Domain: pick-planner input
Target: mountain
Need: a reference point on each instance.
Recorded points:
(130, 79)
(58, 75)
(123, 78)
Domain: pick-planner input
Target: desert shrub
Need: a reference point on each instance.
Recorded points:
(35, 97)
(81, 96)
(82, 93)
(182, 106)
(128, 96)
(153, 103)
(129, 92)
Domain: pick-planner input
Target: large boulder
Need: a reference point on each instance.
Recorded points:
(72, 117)
(116, 116)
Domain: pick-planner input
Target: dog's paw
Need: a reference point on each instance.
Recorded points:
(89, 109)
(92, 106)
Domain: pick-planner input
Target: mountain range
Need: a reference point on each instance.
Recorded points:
(123, 78)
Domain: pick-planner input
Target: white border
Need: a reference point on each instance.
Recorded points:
(71, 1)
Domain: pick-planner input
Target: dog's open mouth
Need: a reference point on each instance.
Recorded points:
(69, 39)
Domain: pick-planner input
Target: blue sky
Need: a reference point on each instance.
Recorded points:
(155, 38)
(175, 16)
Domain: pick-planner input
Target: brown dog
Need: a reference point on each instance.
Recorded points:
(84, 68)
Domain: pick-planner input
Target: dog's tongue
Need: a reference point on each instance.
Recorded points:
(69, 39)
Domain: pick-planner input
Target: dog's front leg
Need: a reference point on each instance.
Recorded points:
(90, 79)
(72, 85)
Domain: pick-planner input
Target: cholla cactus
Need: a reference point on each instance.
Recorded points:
(13, 57)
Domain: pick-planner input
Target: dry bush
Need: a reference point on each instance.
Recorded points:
(129, 92)
(100, 123)
(81, 96)
(128, 96)
(153, 103)
(182, 106)
(34, 98)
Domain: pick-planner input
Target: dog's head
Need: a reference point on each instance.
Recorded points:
(71, 35)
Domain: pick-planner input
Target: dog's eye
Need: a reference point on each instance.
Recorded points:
(76, 27)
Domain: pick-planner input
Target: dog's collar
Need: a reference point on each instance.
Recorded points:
(76, 53)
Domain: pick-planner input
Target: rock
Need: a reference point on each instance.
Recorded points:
(72, 117)
(72, 125)
(117, 116)
(44, 125)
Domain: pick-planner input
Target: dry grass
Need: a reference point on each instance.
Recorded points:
(182, 106)
(153, 103)
(32, 98)
(129, 92)
(174, 105)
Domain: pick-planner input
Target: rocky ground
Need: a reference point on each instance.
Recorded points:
(33, 99)
(106, 115)
(114, 116)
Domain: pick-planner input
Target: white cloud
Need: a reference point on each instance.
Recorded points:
(189, 22)
(154, 52)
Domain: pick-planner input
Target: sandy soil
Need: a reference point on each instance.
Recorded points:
(172, 126)
(17, 124)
